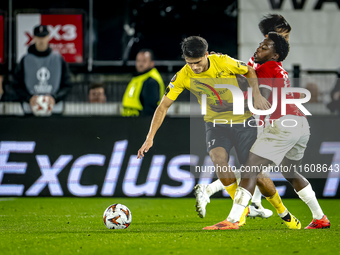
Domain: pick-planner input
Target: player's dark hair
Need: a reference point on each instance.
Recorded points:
(194, 47)
(274, 23)
(281, 45)
(152, 55)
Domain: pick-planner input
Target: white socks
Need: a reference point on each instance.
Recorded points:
(307, 195)
(256, 199)
(242, 197)
(214, 187)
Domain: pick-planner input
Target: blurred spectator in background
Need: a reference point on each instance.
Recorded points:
(97, 93)
(146, 88)
(334, 105)
(314, 91)
(42, 78)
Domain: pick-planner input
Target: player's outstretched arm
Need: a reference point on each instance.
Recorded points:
(259, 101)
(156, 122)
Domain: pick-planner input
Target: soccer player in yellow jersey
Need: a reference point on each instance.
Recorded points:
(200, 75)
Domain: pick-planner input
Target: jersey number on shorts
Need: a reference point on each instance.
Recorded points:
(211, 143)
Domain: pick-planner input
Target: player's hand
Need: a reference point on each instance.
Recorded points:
(222, 108)
(260, 102)
(33, 100)
(336, 96)
(145, 148)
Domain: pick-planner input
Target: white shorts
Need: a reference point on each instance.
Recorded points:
(281, 139)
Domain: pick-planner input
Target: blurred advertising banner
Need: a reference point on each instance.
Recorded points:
(2, 39)
(314, 38)
(97, 156)
(66, 34)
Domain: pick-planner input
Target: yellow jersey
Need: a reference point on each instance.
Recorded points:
(222, 70)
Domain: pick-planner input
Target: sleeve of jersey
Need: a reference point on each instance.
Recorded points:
(235, 66)
(175, 87)
(251, 61)
(265, 78)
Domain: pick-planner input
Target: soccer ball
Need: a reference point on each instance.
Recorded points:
(117, 216)
(42, 108)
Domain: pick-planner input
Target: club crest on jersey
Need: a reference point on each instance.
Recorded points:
(174, 78)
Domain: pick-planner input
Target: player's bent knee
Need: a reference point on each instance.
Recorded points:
(219, 157)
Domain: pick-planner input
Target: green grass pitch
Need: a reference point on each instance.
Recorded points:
(159, 226)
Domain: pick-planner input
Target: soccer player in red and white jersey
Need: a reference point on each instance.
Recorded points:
(279, 144)
(301, 186)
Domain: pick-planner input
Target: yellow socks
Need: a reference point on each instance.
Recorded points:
(277, 203)
(231, 189)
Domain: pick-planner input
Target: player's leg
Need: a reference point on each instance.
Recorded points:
(219, 157)
(271, 146)
(227, 178)
(245, 138)
(301, 185)
(255, 208)
(268, 189)
(214, 187)
(306, 193)
(218, 146)
(242, 197)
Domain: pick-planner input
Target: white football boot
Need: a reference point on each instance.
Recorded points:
(259, 212)
(202, 199)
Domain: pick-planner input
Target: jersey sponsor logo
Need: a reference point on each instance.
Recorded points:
(238, 99)
(206, 88)
(174, 78)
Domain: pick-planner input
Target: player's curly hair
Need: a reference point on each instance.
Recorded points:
(281, 45)
(194, 47)
(274, 23)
